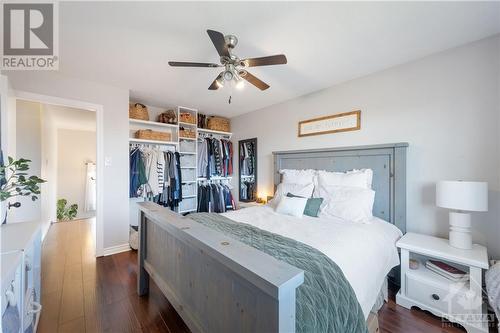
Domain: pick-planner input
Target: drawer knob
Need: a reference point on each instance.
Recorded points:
(435, 297)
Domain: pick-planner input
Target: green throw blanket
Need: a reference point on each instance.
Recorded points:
(325, 301)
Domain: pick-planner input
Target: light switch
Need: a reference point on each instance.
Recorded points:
(108, 161)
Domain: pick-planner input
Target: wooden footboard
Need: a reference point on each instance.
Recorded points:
(215, 283)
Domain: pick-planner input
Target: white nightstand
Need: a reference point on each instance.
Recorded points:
(459, 302)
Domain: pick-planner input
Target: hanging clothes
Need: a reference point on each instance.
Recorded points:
(215, 198)
(215, 158)
(156, 175)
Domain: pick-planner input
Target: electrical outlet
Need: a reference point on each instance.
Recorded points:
(108, 161)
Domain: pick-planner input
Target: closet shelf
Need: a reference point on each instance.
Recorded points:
(181, 123)
(188, 167)
(156, 142)
(147, 123)
(187, 153)
(214, 178)
(204, 130)
(183, 138)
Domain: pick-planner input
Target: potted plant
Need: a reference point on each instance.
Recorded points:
(66, 213)
(15, 181)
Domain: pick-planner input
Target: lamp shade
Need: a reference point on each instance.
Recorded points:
(460, 195)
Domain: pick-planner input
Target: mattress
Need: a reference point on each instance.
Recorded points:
(364, 252)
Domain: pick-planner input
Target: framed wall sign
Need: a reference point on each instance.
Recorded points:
(341, 122)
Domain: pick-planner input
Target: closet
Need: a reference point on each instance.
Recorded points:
(191, 162)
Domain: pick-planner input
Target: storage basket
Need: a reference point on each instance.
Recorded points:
(187, 133)
(186, 117)
(153, 135)
(138, 111)
(219, 124)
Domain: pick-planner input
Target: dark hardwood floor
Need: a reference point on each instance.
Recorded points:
(83, 294)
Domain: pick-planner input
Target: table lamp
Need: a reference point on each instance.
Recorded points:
(461, 197)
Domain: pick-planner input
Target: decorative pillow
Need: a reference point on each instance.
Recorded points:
(312, 207)
(355, 178)
(303, 177)
(292, 206)
(349, 203)
(304, 191)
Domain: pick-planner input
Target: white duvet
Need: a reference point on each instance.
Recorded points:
(365, 252)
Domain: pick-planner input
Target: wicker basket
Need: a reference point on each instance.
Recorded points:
(138, 111)
(186, 117)
(187, 133)
(153, 135)
(219, 124)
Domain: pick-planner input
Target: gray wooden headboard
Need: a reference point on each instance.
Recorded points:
(388, 162)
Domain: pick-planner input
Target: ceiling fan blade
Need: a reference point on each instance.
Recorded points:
(254, 80)
(278, 59)
(191, 64)
(219, 42)
(214, 85)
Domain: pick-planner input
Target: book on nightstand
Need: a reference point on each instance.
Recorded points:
(451, 273)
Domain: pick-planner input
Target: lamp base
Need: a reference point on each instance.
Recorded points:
(460, 230)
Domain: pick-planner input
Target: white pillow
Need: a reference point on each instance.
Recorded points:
(349, 203)
(303, 177)
(291, 206)
(355, 178)
(300, 190)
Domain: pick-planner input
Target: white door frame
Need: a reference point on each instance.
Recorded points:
(98, 109)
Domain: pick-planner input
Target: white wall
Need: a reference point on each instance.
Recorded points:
(48, 198)
(114, 102)
(446, 106)
(74, 149)
(28, 146)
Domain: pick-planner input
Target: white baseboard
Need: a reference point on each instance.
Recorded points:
(116, 249)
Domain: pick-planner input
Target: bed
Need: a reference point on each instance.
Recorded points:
(220, 282)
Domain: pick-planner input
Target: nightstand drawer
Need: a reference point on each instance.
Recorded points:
(427, 294)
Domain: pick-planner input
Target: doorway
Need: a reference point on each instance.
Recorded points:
(68, 156)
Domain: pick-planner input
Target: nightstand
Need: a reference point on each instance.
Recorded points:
(459, 302)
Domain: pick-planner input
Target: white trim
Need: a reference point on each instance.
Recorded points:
(77, 104)
(116, 249)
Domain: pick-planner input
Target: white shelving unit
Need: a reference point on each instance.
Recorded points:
(187, 148)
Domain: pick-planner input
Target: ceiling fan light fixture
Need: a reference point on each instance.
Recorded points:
(240, 83)
(228, 75)
(219, 82)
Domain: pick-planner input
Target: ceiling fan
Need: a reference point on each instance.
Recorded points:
(234, 67)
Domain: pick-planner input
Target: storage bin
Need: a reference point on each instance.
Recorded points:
(186, 117)
(187, 133)
(188, 146)
(219, 124)
(188, 174)
(153, 135)
(138, 111)
(189, 189)
(187, 204)
(188, 160)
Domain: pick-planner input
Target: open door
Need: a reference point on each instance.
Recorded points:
(7, 136)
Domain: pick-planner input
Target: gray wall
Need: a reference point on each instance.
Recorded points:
(446, 106)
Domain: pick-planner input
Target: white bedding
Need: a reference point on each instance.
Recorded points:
(365, 252)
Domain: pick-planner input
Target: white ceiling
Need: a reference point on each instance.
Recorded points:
(128, 44)
(63, 117)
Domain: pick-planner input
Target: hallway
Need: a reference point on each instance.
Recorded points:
(82, 294)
